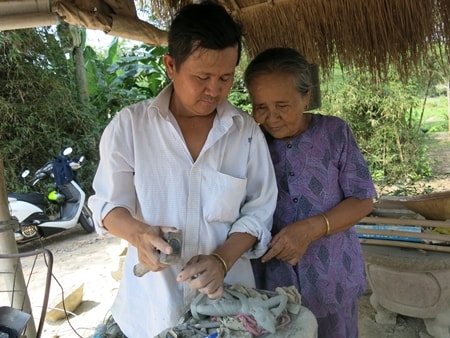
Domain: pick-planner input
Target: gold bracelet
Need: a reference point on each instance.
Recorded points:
(327, 223)
(219, 257)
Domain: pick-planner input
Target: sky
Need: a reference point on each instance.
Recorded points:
(98, 39)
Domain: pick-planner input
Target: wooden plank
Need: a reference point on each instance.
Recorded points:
(398, 233)
(405, 221)
(412, 245)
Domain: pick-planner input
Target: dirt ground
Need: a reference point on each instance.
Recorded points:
(89, 259)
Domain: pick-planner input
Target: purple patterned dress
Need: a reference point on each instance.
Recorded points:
(315, 171)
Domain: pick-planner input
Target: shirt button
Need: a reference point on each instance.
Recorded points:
(289, 145)
(295, 200)
(291, 173)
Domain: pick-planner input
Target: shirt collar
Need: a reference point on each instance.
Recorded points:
(226, 112)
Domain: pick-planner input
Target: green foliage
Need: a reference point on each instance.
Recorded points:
(238, 95)
(380, 117)
(120, 79)
(435, 117)
(40, 113)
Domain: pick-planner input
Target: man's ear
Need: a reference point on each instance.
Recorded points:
(169, 63)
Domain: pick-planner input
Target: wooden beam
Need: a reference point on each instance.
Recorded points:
(406, 234)
(401, 244)
(405, 221)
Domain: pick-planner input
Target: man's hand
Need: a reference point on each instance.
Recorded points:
(149, 245)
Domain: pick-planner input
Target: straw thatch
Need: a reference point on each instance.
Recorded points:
(368, 34)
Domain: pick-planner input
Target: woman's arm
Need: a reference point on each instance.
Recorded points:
(291, 242)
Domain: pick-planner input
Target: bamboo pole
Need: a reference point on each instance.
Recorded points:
(8, 245)
(406, 234)
(405, 221)
(431, 238)
(402, 244)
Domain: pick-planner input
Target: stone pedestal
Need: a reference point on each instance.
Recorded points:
(412, 283)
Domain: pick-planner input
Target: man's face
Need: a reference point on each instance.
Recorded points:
(202, 81)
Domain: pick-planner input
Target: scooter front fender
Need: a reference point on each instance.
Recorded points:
(21, 210)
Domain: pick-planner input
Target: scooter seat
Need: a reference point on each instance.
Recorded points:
(31, 197)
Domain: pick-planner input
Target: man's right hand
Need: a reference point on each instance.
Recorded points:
(147, 239)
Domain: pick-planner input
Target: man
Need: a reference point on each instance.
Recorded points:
(189, 162)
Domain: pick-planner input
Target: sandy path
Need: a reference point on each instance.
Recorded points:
(80, 258)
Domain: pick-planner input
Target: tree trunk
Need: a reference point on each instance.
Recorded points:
(448, 105)
(80, 70)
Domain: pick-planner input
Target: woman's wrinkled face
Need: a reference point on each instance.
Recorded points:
(277, 105)
(203, 80)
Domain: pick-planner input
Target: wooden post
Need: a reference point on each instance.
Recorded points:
(8, 245)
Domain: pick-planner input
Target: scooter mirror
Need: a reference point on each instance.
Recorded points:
(67, 151)
(25, 173)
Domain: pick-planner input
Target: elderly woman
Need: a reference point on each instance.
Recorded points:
(325, 188)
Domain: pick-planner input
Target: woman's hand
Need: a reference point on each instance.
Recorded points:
(290, 243)
(204, 273)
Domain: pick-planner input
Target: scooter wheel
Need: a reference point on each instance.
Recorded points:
(86, 221)
(29, 231)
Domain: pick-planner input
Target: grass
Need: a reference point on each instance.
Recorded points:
(436, 113)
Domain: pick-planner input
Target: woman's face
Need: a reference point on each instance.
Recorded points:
(202, 81)
(277, 105)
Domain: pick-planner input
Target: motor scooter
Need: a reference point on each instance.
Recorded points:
(33, 210)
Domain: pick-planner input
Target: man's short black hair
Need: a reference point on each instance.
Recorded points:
(204, 25)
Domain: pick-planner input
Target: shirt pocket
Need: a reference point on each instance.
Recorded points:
(223, 196)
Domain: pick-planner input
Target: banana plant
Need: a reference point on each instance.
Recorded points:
(123, 75)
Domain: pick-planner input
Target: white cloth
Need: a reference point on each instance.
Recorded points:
(146, 167)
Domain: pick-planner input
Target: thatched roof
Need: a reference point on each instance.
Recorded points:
(363, 33)
(368, 34)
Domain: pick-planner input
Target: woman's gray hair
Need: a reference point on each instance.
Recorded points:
(280, 60)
